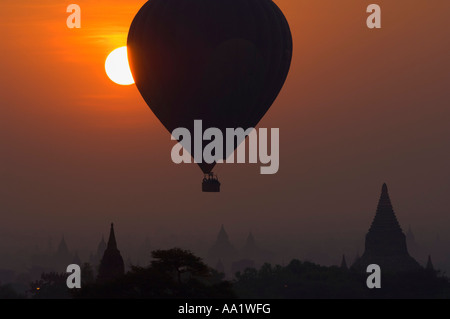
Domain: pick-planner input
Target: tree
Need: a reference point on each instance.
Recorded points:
(173, 273)
(51, 285)
(179, 261)
(308, 280)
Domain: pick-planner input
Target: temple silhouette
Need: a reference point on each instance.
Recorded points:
(96, 258)
(111, 265)
(385, 241)
(62, 256)
(228, 259)
(344, 263)
(222, 252)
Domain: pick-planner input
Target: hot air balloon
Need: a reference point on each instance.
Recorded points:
(221, 61)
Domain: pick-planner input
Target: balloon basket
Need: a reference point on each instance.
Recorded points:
(210, 183)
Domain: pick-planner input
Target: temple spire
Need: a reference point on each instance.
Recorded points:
(222, 249)
(223, 236)
(385, 241)
(251, 240)
(112, 238)
(62, 248)
(385, 219)
(111, 265)
(430, 266)
(384, 204)
(344, 263)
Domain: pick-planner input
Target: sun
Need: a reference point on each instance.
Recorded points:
(117, 67)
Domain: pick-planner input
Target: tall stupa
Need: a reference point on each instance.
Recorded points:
(386, 242)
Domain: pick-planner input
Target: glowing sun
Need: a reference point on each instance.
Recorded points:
(117, 67)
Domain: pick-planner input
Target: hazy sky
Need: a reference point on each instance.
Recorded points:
(360, 107)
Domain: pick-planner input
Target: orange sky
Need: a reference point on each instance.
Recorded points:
(360, 107)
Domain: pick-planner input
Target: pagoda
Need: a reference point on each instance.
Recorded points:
(111, 265)
(385, 241)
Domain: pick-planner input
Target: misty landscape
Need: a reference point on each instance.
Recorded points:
(226, 270)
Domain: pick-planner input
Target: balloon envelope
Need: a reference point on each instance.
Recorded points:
(220, 61)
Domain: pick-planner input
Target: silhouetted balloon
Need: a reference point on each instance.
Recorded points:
(220, 61)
